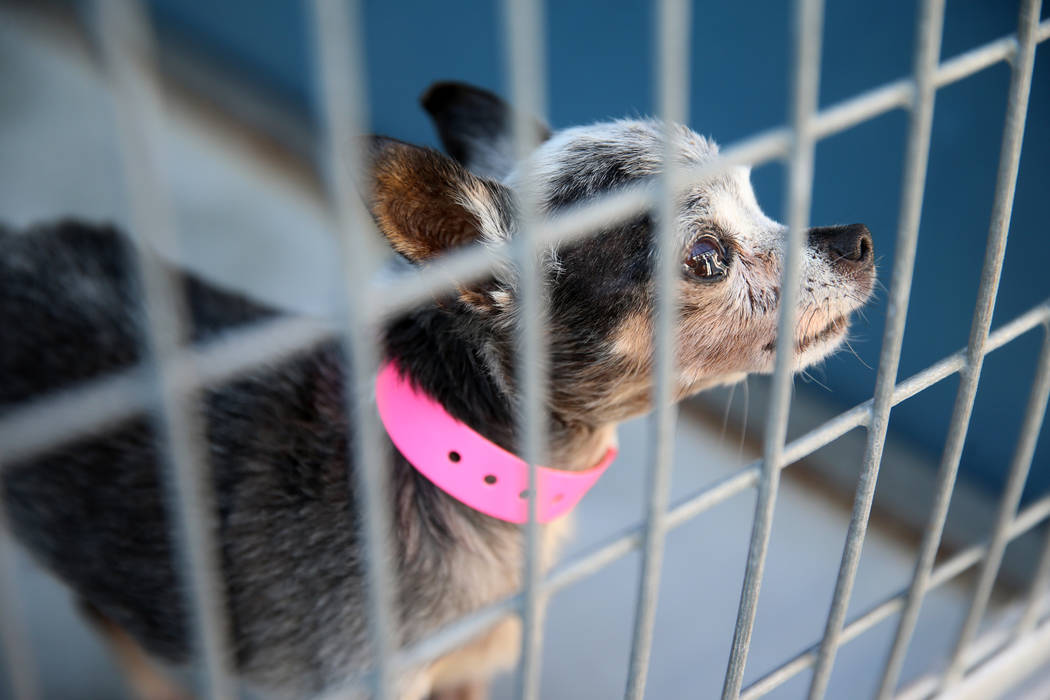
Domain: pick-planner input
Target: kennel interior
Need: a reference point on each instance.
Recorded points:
(646, 601)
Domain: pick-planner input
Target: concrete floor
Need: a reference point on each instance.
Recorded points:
(247, 223)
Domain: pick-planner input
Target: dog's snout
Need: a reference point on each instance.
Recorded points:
(848, 247)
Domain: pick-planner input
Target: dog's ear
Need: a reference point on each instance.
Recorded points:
(426, 204)
(475, 127)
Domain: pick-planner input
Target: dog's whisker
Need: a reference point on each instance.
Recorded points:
(850, 346)
(725, 413)
(743, 428)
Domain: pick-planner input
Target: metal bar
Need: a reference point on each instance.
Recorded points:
(808, 28)
(930, 23)
(523, 33)
(1036, 593)
(975, 60)
(856, 110)
(1013, 133)
(415, 286)
(343, 96)
(954, 566)
(1007, 668)
(129, 58)
(984, 649)
(18, 659)
(672, 79)
(1018, 475)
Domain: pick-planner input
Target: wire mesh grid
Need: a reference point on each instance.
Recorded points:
(168, 383)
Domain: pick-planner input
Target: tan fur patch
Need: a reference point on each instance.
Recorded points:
(416, 200)
(710, 343)
(633, 338)
(496, 650)
(144, 676)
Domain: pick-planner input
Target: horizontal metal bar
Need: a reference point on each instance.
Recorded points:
(711, 496)
(976, 60)
(899, 93)
(851, 112)
(60, 417)
(1030, 517)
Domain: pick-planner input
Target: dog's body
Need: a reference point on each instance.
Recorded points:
(94, 511)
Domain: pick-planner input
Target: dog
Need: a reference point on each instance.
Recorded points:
(277, 440)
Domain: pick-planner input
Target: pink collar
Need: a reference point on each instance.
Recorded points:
(467, 466)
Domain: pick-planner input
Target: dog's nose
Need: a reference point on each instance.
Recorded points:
(848, 247)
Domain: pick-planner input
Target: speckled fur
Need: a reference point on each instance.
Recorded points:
(94, 512)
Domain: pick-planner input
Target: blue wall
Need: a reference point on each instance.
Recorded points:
(599, 66)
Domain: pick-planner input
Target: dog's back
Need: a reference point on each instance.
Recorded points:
(69, 307)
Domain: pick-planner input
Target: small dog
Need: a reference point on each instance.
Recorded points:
(94, 512)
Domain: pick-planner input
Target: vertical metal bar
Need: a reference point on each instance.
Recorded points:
(1018, 474)
(339, 57)
(129, 57)
(927, 52)
(1036, 593)
(21, 668)
(808, 29)
(672, 66)
(524, 35)
(1013, 134)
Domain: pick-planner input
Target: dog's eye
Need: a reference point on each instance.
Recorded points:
(707, 259)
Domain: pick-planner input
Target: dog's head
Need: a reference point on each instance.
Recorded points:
(600, 289)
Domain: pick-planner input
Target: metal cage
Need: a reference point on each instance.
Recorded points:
(170, 382)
